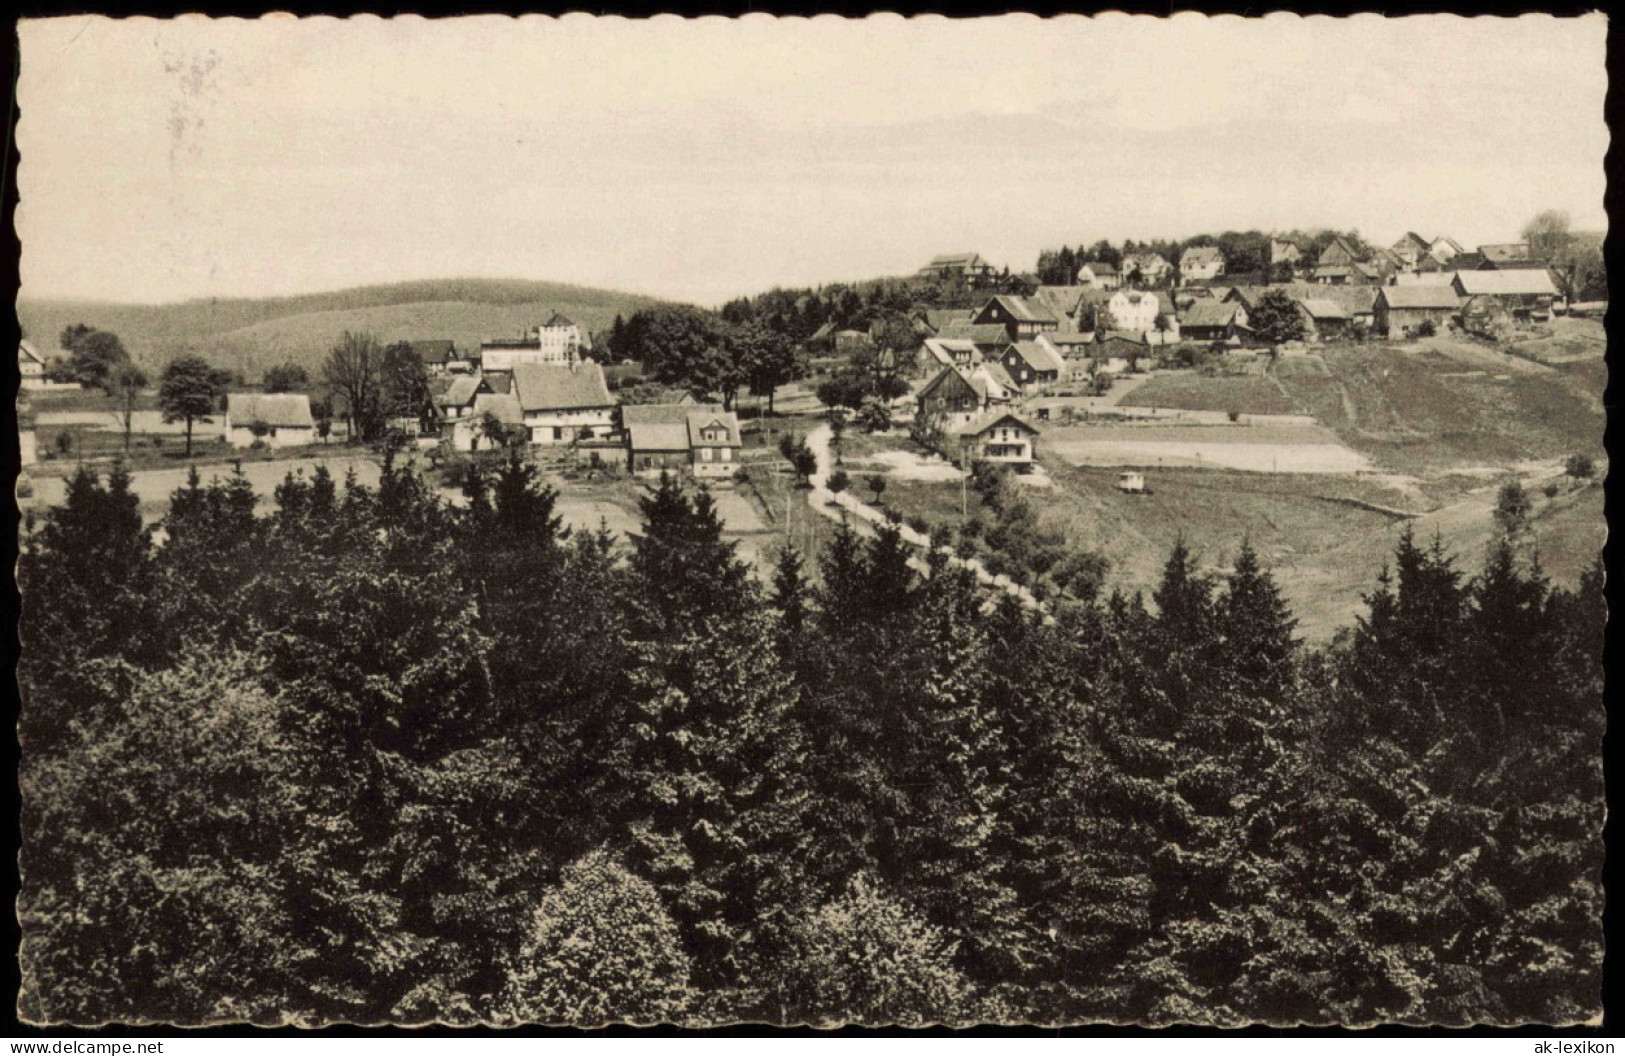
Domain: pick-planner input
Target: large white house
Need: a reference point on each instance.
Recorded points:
(559, 340)
(1145, 313)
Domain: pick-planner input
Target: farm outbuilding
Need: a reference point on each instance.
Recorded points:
(1400, 311)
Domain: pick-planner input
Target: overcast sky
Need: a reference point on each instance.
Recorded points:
(703, 159)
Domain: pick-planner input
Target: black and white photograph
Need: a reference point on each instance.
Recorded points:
(811, 522)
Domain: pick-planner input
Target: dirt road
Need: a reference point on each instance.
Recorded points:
(867, 518)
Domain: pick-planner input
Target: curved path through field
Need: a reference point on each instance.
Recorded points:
(831, 505)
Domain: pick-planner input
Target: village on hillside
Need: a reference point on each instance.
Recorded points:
(798, 524)
(1150, 369)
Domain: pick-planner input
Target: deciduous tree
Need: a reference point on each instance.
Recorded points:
(353, 373)
(188, 391)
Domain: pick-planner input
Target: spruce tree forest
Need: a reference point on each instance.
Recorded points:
(376, 758)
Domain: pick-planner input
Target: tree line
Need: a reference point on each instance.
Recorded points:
(375, 757)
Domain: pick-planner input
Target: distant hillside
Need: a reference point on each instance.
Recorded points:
(252, 334)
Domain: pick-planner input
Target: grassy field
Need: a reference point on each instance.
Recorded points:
(1422, 412)
(251, 334)
(1564, 340)
(1189, 391)
(1325, 553)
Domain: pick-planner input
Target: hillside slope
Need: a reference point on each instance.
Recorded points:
(251, 334)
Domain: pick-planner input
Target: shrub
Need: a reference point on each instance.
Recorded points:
(1580, 467)
(990, 481)
(919, 524)
(1427, 329)
(25, 487)
(876, 483)
(1233, 414)
(1512, 508)
(839, 481)
(1550, 490)
(600, 948)
(866, 958)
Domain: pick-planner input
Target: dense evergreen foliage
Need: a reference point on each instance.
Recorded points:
(370, 757)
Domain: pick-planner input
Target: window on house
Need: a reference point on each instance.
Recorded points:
(705, 454)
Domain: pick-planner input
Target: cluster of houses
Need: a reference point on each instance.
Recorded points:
(539, 388)
(981, 362)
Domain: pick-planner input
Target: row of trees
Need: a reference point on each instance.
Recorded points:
(375, 383)
(799, 313)
(375, 757)
(189, 389)
(705, 353)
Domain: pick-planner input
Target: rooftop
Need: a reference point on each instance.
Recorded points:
(560, 387)
(284, 410)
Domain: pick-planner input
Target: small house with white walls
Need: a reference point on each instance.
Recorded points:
(273, 419)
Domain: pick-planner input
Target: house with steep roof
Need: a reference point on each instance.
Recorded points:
(939, 352)
(1410, 250)
(1099, 275)
(436, 356)
(1324, 318)
(1002, 437)
(560, 403)
(272, 419)
(990, 341)
(30, 364)
(1022, 319)
(1443, 249)
(1063, 303)
(959, 395)
(1033, 364)
(1120, 353)
(1214, 321)
(701, 438)
(1200, 264)
(1400, 311)
(1339, 252)
(454, 396)
(1145, 269)
(1284, 252)
(936, 320)
(1076, 352)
